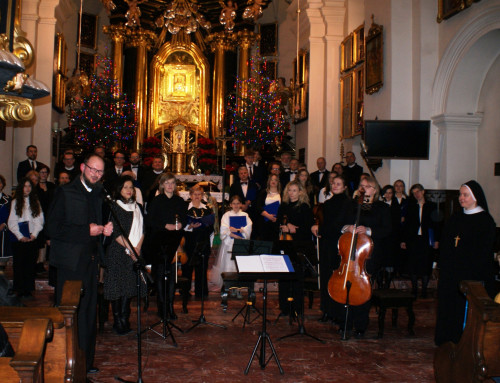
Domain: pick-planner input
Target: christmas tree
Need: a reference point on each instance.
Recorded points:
(255, 111)
(101, 114)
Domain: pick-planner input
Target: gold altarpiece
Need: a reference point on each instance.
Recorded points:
(178, 108)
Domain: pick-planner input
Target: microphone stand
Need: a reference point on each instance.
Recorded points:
(141, 273)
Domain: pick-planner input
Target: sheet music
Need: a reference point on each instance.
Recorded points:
(274, 264)
(262, 264)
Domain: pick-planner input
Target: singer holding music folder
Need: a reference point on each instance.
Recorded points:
(234, 224)
(167, 215)
(296, 218)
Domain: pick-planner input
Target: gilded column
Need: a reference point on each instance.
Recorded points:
(246, 39)
(118, 34)
(142, 40)
(220, 43)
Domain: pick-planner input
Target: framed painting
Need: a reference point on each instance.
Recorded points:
(374, 63)
(346, 59)
(270, 69)
(359, 44)
(87, 63)
(89, 31)
(358, 100)
(449, 8)
(268, 39)
(346, 88)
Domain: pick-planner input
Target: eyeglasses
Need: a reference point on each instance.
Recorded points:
(95, 171)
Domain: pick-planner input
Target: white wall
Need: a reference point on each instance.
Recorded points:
(489, 139)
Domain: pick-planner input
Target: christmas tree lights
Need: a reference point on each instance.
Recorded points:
(255, 110)
(102, 115)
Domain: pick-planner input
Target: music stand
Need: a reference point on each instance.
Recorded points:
(250, 247)
(263, 334)
(303, 257)
(168, 251)
(199, 254)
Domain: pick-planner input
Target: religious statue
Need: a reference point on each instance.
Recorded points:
(254, 11)
(228, 14)
(133, 14)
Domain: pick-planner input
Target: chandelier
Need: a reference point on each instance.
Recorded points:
(182, 14)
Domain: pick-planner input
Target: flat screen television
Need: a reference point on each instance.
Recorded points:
(397, 139)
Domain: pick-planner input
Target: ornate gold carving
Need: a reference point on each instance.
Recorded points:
(221, 40)
(15, 109)
(180, 85)
(141, 37)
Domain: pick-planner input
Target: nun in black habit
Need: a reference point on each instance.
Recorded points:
(466, 254)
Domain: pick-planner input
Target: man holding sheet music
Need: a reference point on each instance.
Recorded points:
(246, 189)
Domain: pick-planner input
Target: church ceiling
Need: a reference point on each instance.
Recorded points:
(152, 9)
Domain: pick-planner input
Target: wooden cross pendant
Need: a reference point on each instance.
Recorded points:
(457, 238)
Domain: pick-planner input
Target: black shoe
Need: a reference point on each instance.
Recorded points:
(324, 318)
(92, 370)
(359, 334)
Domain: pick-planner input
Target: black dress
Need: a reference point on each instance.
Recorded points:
(377, 217)
(197, 243)
(466, 253)
(265, 230)
(120, 277)
(299, 215)
(335, 210)
(418, 245)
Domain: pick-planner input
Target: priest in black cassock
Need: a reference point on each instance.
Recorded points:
(466, 254)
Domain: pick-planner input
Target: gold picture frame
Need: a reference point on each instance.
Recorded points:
(59, 79)
(449, 8)
(358, 100)
(359, 44)
(268, 39)
(88, 63)
(346, 58)
(374, 61)
(346, 110)
(89, 31)
(301, 86)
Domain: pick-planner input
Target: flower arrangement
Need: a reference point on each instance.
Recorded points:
(207, 156)
(151, 147)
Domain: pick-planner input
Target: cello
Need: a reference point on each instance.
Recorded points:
(350, 283)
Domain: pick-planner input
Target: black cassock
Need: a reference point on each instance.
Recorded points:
(466, 253)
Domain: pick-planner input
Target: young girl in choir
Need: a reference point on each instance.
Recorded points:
(25, 223)
(228, 234)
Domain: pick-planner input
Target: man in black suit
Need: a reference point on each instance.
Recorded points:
(150, 179)
(246, 189)
(319, 178)
(75, 225)
(352, 172)
(113, 174)
(30, 163)
(287, 176)
(68, 165)
(136, 167)
(255, 174)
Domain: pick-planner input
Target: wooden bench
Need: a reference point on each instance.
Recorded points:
(27, 364)
(64, 361)
(477, 356)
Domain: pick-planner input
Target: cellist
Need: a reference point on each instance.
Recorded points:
(375, 222)
(335, 210)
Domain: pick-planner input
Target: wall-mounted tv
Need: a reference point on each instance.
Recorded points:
(397, 139)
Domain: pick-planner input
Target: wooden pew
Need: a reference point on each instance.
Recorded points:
(64, 361)
(27, 365)
(477, 356)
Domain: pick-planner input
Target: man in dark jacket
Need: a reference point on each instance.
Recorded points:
(74, 226)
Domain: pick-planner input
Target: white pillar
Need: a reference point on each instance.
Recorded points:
(334, 14)
(44, 50)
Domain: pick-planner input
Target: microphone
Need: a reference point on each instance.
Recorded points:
(106, 194)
